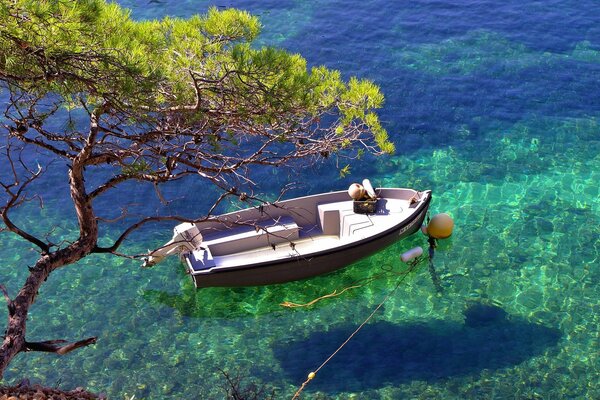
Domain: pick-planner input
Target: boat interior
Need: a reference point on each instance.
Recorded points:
(297, 227)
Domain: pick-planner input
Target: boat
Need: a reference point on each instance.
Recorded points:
(294, 239)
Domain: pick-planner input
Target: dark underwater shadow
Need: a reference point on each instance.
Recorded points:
(212, 302)
(384, 353)
(236, 302)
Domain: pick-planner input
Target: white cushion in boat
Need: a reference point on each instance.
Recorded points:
(329, 218)
(243, 238)
(340, 219)
(352, 223)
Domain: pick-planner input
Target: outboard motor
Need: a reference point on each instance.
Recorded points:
(186, 238)
(189, 234)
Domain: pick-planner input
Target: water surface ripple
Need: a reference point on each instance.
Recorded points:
(492, 105)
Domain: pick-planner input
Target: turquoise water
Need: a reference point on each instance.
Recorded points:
(492, 105)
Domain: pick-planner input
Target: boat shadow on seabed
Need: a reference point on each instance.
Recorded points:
(241, 302)
(384, 353)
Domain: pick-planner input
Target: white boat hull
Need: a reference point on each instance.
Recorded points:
(315, 251)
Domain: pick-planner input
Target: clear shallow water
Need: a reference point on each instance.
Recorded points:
(494, 106)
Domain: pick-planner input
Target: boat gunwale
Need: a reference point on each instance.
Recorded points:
(219, 218)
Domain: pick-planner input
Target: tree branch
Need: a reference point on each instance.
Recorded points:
(15, 198)
(58, 346)
(9, 302)
(137, 225)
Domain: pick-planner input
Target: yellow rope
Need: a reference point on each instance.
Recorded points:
(355, 285)
(334, 294)
(311, 375)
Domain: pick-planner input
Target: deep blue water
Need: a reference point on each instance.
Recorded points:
(492, 105)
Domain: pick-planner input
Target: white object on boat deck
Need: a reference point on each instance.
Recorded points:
(369, 189)
(356, 191)
(411, 254)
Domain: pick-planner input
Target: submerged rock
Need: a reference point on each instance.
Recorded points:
(24, 391)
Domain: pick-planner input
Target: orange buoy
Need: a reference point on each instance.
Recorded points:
(440, 226)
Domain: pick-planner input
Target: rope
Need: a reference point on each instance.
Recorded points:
(335, 293)
(386, 298)
(310, 303)
(387, 270)
(434, 276)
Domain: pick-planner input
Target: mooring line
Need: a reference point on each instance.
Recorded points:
(387, 297)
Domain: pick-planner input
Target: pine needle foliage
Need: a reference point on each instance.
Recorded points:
(93, 52)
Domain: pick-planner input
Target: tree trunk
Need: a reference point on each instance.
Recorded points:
(14, 339)
(15, 336)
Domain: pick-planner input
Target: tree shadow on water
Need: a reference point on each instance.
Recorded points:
(383, 353)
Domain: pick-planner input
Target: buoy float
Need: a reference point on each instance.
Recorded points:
(311, 376)
(356, 191)
(411, 254)
(440, 226)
